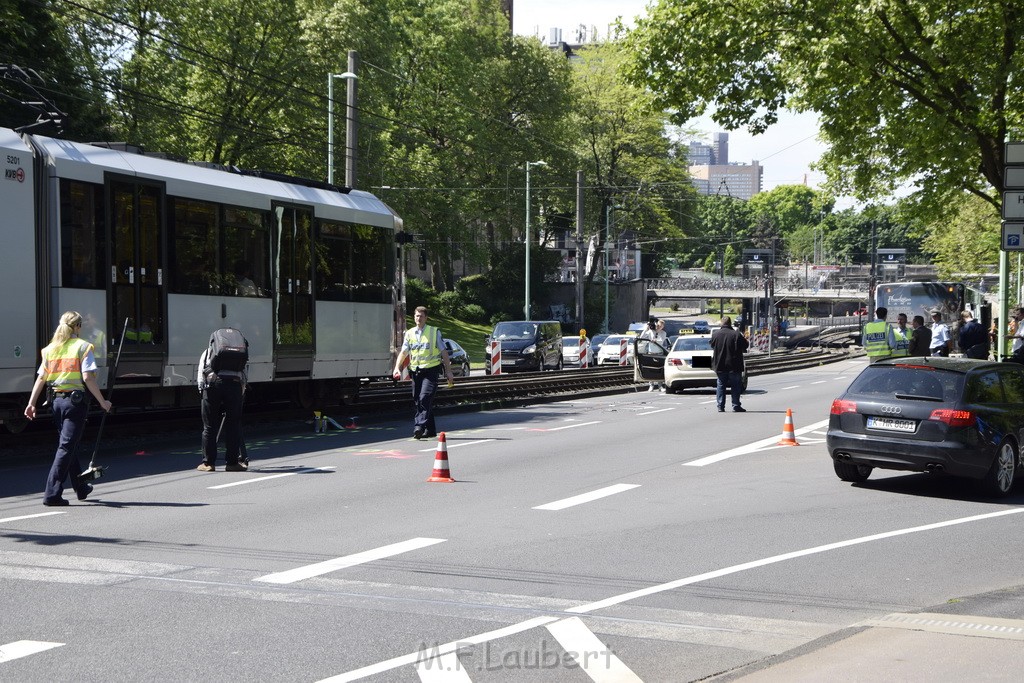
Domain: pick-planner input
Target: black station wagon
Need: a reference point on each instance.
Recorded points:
(952, 415)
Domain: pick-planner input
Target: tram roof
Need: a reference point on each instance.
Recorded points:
(89, 163)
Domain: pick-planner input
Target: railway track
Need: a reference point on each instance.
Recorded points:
(384, 398)
(520, 388)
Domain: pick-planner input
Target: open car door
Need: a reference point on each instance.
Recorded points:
(649, 357)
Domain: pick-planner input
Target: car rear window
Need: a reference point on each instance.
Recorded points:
(926, 383)
(692, 344)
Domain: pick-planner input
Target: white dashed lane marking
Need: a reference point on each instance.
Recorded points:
(558, 429)
(587, 497)
(750, 447)
(594, 657)
(24, 648)
(652, 412)
(449, 445)
(273, 476)
(311, 570)
(443, 669)
(41, 514)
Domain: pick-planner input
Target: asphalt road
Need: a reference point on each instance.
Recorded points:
(636, 537)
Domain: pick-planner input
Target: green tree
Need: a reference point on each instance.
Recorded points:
(922, 91)
(721, 220)
(635, 168)
(35, 40)
(966, 243)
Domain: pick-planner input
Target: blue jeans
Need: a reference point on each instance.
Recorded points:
(69, 415)
(734, 380)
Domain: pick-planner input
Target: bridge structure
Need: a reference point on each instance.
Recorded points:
(684, 288)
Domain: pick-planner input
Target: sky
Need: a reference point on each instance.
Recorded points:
(786, 150)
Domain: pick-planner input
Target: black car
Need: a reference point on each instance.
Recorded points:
(952, 415)
(459, 358)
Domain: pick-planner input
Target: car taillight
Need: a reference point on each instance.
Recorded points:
(954, 418)
(839, 406)
(675, 361)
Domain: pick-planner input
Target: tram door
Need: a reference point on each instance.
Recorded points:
(136, 266)
(293, 289)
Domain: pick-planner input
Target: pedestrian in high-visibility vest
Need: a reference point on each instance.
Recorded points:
(425, 348)
(879, 340)
(67, 370)
(902, 334)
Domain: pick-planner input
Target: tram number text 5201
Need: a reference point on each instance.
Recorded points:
(11, 159)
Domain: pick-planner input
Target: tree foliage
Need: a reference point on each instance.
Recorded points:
(35, 40)
(968, 241)
(920, 90)
(635, 168)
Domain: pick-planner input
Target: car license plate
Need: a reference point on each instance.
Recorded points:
(891, 424)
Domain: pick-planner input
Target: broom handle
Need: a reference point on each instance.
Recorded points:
(110, 392)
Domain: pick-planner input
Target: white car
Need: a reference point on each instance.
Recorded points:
(609, 353)
(570, 352)
(686, 366)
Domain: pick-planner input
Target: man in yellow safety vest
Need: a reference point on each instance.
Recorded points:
(879, 338)
(425, 349)
(902, 334)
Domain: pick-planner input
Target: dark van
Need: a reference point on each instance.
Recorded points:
(526, 345)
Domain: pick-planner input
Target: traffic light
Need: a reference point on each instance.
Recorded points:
(423, 259)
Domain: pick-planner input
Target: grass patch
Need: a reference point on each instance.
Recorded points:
(469, 335)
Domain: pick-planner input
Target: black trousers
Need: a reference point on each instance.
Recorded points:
(222, 397)
(424, 386)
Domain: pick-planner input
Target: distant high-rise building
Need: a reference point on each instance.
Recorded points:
(720, 144)
(700, 154)
(736, 180)
(712, 173)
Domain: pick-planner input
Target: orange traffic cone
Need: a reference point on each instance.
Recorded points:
(441, 472)
(788, 435)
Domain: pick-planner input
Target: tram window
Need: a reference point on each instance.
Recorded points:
(246, 252)
(334, 262)
(373, 273)
(193, 258)
(82, 237)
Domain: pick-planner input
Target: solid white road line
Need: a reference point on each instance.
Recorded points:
(750, 447)
(273, 476)
(444, 669)
(522, 626)
(311, 570)
(41, 514)
(452, 646)
(672, 585)
(594, 657)
(587, 497)
(24, 648)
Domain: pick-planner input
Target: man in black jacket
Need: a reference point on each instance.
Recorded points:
(973, 337)
(920, 339)
(727, 362)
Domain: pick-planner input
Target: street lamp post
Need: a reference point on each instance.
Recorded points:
(607, 233)
(348, 76)
(526, 306)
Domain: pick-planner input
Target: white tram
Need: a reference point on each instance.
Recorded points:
(305, 270)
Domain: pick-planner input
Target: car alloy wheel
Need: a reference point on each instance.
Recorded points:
(1002, 474)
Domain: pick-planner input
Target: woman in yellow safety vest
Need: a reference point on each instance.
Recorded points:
(67, 370)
